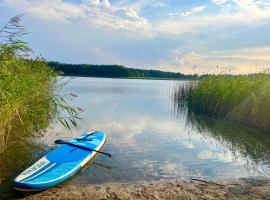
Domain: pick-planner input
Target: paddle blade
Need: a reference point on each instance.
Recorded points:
(59, 141)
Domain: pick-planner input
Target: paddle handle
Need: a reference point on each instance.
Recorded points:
(82, 147)
(101, 152)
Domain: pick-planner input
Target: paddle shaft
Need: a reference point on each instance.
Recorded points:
(85, 137)
(82, 147)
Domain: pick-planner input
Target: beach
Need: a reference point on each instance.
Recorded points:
(195, 189)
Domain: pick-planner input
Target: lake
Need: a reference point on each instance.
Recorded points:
(150, 138)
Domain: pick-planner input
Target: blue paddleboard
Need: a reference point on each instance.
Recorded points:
(61, 163)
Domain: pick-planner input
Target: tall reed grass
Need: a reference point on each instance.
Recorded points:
(28, 103)
(28, 99)
(239, 99)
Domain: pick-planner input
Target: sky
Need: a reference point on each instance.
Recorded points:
(171, 35)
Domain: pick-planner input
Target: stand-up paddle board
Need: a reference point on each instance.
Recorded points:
(61, 163)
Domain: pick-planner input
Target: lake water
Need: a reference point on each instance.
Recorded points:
(150, 138)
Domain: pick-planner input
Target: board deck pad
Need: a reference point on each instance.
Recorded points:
(61, 163)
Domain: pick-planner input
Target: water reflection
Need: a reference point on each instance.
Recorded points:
(19, 154)
(148, 141)
(150, 137)
(241, 142)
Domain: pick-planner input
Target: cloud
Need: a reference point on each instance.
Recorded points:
(174, 35)
(159, 4)
(194, 10)
(125, 15)
(246, 15)
(99, 13)
(219, 2)
(225, 156)
(55, 10)
(247, 60)
(187, 13)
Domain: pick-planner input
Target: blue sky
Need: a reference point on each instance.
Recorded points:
(169, 35)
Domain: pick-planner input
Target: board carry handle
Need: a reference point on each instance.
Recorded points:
(60, 141)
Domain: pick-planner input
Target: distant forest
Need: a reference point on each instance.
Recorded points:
(113, 71)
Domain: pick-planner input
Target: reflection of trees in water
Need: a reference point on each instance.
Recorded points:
(253, 146)
(19, 154)
(249, 144)
(20, 147)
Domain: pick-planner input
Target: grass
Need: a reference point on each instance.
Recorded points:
(27, 86)
(28, 99)
(29, 103)
(238, 99)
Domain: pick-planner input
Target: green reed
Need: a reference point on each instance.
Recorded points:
(28, 99)
(29, 103)
(239, 99)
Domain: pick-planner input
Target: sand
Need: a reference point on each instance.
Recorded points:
(195, 189)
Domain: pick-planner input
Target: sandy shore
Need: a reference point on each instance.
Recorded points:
(196, 189)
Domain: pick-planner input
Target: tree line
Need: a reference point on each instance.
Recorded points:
(113, 71)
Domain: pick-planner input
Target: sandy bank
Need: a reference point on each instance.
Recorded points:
(240, 189)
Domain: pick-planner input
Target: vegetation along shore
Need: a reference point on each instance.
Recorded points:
(29, 104)
(28, 101)
(114, 71)
(239, 99)
(27, 86)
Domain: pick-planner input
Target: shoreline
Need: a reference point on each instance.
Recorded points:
(131, 78)
(193, 189)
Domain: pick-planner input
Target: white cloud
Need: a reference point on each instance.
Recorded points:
(125, 15)
(159, 4)
(187, 13)
(243, 17)
(235, 61)
(226, 157)
(219, 2)
(96, 12)
(194, 10)
(219, 22)
(234, 14)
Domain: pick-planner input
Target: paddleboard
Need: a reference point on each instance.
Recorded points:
(61, 163)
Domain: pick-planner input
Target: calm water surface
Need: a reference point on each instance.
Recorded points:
(151, 139)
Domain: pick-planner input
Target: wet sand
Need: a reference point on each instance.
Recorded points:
(195, 189)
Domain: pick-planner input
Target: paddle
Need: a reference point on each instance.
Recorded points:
(60, 141)
(85, 137)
